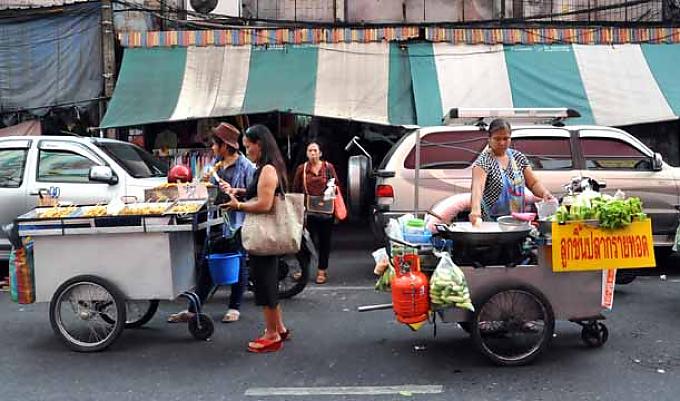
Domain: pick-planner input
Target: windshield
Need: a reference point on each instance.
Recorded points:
(136, 161)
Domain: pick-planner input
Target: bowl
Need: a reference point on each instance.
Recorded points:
(509, 223)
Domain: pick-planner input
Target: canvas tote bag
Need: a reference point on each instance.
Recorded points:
(278, 232)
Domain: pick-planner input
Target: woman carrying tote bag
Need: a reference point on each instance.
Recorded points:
(268, 181)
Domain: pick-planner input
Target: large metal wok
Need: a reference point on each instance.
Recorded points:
(489, 232)
(490, 243)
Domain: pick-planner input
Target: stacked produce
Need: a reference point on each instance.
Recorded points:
(448, 286)
(610, 211)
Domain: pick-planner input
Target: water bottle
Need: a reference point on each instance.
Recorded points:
(329, 193)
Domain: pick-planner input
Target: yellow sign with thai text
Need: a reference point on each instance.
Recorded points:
(578, 246)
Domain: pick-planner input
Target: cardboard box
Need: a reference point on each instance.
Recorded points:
(198, 191)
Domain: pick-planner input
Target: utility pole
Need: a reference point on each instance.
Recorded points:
(108, 58)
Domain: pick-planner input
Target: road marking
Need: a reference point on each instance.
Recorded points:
(344, 390)
(340, 288)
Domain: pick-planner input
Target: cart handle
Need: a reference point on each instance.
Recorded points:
(370, 308)
(402, 242)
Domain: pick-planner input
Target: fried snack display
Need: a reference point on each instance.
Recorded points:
(185, 208)
(57, 212)
(95, 211)
(143, 210)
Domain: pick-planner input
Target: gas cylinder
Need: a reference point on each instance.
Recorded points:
(410, 290)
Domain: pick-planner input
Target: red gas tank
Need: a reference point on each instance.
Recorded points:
(410, 290)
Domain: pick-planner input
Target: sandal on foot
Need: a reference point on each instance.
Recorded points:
(285, 335)
(264, 345)
(181, 317)
(321, 277)
(231, 316)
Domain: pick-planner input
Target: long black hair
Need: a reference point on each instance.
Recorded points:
(270, 153)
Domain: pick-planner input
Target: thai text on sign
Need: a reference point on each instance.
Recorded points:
(580, 246)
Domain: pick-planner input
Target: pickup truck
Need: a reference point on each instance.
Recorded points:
(81, 170)
(612, 157)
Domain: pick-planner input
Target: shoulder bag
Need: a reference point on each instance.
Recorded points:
(316, 204)
(277, 232)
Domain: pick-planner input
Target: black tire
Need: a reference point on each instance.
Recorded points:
(513, 326)
(359, 188)
(201, 327)
(595, 335)
(294, 270)
(144, 315)
(624, 278)
(101, 308)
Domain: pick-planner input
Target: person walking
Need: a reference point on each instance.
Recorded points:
(234, 172)
(312, 178)
(268, 181)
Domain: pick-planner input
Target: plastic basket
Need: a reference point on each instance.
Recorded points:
(424, 238)
(224, 267)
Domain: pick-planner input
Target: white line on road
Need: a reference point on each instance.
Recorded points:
(340, 288)
(345, 390)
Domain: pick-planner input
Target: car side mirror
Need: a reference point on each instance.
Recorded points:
(657, 162)
(103, 174)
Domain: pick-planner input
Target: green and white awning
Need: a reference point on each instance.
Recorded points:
(608, 84)
(388, 83)
(367, 82)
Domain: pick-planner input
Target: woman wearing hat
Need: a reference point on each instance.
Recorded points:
(234, 173)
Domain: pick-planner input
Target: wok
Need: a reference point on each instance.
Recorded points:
(488, 233)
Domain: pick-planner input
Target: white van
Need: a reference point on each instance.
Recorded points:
(80, 170)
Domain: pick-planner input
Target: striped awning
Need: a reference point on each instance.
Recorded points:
(609, 85)
(397, 84)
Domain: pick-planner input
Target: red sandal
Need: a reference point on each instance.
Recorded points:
(266, 345)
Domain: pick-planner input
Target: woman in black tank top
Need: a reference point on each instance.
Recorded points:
(269, 180)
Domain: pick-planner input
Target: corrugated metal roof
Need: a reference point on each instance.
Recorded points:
(24, 4)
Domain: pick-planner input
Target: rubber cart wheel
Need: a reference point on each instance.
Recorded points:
(139, 313)
(513, 326)
(206, 328)
(595, 335)
(87, 313)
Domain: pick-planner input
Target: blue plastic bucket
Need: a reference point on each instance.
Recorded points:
(224, 267)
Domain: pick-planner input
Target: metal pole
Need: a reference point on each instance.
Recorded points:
(417, 178)
(108, 56)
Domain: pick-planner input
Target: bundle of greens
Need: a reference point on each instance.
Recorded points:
(610, 212)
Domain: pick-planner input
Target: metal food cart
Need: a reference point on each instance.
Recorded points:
(103, 274)
(516, 304)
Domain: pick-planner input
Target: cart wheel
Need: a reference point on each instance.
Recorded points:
(88, 313)
(595, 334)
(513, 326)
(139, 313)
(206, 328)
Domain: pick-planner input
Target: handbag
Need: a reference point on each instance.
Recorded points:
(316, 204)
(278, 232)
(340, 211)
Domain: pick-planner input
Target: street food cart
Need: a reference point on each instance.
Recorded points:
(566, 275)
(102, 273)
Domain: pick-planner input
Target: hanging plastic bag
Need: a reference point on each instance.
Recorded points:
(676, 243)
(448, 286)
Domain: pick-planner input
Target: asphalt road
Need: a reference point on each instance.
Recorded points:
(335, 349)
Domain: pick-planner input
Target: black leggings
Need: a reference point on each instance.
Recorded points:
(320, 229)
(265, 275)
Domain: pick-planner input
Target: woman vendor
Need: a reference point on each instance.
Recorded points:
(499, 176)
